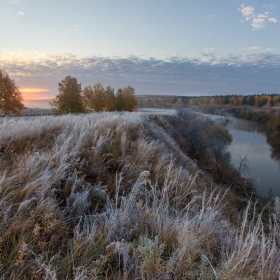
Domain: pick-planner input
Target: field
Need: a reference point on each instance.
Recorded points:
(114, 196)
(34, 112)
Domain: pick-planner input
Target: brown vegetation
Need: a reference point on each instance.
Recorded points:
(114, 196)
(10, 96)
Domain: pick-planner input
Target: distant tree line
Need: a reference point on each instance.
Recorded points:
(268, 100)
(270, 116)
(73, 99)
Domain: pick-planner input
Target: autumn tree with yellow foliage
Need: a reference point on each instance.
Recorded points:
(110, 99)
(69, 99)
(100, 99)
(72, 99)
(95, 97)
(10, 95)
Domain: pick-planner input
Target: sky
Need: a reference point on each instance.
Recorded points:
(160, 47)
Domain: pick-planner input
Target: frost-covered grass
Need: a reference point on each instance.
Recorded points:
(157, 111)
(103, 196)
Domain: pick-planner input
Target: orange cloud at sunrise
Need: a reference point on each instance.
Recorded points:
(34, 93)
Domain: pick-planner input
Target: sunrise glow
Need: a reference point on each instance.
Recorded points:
(32, 90)
(34, 93)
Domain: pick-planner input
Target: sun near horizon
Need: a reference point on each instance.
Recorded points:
(35, 93)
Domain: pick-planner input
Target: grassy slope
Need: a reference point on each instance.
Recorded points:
(111, 196)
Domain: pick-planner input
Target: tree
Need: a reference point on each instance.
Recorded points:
(87, 94)
(119, 100)
(10, 96)
(126, 100)
(110, 99)
(69, 99)
(99, 99)
(96, 97)
(179, 101)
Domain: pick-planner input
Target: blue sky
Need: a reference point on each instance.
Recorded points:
(159, 47)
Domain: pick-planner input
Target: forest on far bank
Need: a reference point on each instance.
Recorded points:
(160, 101)
(263, 108)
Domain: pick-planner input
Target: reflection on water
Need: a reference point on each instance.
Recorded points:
(252, 140)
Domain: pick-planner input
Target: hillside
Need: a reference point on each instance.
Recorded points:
(116, 196)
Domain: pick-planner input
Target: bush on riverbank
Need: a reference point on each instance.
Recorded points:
(115, 196)
(206, 141)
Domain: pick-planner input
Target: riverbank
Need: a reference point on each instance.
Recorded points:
(250, 141)
(254, 141)
(269, 116)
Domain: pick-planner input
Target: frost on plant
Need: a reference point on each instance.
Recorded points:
(116, 196)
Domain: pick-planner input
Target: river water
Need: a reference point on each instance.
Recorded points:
(252, 140)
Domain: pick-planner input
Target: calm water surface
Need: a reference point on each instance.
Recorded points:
(251, 139)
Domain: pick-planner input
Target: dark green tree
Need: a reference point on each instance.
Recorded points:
(10, 96)
(69, 99)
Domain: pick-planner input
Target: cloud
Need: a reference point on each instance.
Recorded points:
(33, 90)
(253, 48)
(272, 19)
(21, 13)
(259, 20)
(208, 51)
(246, 11)
(208, 16)
(175, 75)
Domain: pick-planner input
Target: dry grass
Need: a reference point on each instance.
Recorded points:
(97, 197)
(33, 112)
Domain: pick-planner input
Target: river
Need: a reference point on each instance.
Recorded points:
(252, 140)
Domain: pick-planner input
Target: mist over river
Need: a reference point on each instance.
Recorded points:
(252, 140)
